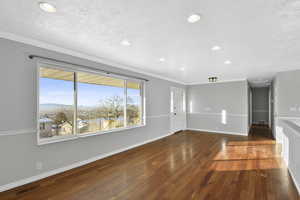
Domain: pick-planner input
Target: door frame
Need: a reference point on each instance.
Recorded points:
(183, 113)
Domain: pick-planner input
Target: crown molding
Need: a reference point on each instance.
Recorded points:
(59, 49)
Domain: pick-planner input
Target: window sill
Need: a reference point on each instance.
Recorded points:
(56, 139)
(109, 131)
(74, 137)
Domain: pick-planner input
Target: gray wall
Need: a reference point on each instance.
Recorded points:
(19, 151)
(287, 96)
(287, 118)
(260, 105)
(205, 104)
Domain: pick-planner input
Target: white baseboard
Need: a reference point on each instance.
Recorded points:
(72, 166)
(295, 181)
(218, 131)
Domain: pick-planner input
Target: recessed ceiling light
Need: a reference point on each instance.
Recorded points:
(125, 43)
(162, 59)
(182, 69)
(227, 62)
(193, 18)
(216, 48)
(47, 7)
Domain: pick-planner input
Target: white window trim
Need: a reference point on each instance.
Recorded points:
(75, 135)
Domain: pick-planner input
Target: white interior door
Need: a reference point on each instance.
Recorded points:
(177, 110)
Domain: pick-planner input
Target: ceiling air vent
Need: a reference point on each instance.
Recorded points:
(212, 79)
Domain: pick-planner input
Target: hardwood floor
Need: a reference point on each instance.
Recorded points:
(187, 165)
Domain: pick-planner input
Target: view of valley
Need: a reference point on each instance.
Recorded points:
(100, 107)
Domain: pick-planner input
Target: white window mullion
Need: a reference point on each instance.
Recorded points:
(143, 103)
(125, 103)
(75, 105)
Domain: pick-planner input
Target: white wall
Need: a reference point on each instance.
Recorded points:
(19, 151)
(287, 119)
(206, 102)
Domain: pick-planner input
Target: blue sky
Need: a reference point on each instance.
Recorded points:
(54, 91)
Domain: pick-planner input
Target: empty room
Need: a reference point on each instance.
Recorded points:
(149, 100)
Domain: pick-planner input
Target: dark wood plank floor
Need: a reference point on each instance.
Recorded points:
(187, 165)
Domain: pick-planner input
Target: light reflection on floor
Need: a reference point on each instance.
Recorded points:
(247, 155)
(249, 143)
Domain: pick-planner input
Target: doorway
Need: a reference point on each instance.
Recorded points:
(177, 110)
(260, 104)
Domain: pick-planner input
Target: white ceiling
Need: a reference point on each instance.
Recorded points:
(260, 37)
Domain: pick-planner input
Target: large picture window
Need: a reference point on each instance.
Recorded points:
(74, 103)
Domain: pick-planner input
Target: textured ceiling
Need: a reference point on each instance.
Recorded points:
(260, 37)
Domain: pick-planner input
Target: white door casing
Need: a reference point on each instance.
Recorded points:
(177, 109)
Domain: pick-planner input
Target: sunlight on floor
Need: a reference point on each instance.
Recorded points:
(248, 143)
(248, 155)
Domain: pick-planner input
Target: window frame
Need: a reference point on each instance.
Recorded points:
(71, 68)
(142, 101)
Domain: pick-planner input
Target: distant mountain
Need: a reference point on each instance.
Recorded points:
(53, 106)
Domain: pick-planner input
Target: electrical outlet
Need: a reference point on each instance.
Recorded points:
(39, 165)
